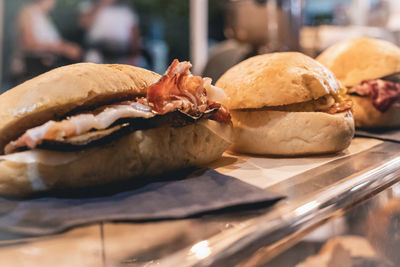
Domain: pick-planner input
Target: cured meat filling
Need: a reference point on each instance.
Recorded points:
(382, 93)
(326, 104)
(177, 90)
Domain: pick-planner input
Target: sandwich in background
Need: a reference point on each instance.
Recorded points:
(370, 69)
(286, 104)
(90, 124)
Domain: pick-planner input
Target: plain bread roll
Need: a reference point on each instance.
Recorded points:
(291, 133)
(276, 79)
(359, 59)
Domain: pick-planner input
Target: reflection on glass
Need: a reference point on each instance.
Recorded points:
(306, 208)
(201, 250)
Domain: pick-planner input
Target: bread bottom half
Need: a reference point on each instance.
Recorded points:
(367, 116)
(284, 133)
(141, 153)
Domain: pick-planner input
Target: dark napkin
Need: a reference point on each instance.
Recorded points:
(385, 135)
(208, 191)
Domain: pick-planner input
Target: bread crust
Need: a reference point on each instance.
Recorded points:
(141, 153)
(358, 59)
(367, 116)
(62, 90)
(281, 133)
(276, 79)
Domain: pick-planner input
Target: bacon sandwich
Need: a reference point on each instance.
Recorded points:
(90, 124)
(286, 104)
(370, 69)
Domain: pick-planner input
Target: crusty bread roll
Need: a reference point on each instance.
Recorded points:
(129, 155)
(276, 79)
(65, 89)
(271, 98)
(141, 153)
(291, 133)
(360, 59)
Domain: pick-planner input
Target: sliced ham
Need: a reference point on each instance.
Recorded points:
(382, 93)
(178, 89)
(79, 124)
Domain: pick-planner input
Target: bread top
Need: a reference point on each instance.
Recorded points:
(60, 91)
(358, 59)
(276, 79)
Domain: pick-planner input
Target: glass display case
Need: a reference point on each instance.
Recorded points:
(357, 187)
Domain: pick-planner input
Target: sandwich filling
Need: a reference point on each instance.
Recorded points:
(330, 104)
(177, 99)
(383, 93)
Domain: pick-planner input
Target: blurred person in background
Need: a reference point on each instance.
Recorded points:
(40, 46)
(112, 33)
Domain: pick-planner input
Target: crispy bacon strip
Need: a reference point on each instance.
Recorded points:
(329, 105)
(340, 107)
(178, 89)
(382, 93)
(222, 114)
